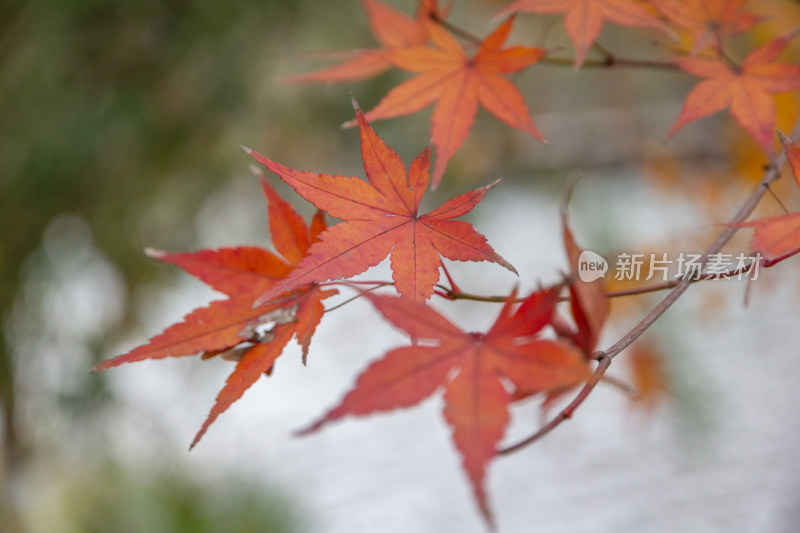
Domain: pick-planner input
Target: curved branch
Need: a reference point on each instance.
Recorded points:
(604, 358)
(603, 363)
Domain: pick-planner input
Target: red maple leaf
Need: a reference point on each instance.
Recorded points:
(707, 21)
(584, 18)
(588, 300)
(457, 82)
(476, 370)
(392, 28)
(382, 217)
(588, 306)
(234, 325)
(746, 88)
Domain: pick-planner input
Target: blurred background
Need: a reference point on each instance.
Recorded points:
(120, 126)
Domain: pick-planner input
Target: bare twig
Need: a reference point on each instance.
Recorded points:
(455, 30)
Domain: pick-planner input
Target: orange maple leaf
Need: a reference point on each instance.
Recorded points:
(775, 238)
(707, 21)
(392, 28)
(234, 325)
(474, 369)
(649, 376)
(382, 217)
(457, 83)
(584, 18)
(746, 88)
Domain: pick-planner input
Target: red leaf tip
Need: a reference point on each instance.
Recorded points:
(247, 150)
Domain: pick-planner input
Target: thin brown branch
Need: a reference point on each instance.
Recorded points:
(454, 288)
(607, 56)
(450, 294)
(445, 292)
(604, 358)
(358, 282)
(621, 386)
(455, 30)
(777, 199)
(566, 413)
(377, 285)
(610, 60)
(664, 285)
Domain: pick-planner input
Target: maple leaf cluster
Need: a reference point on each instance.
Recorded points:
(583, 19)
(471, 367)
(252, 335)
(393, 29)
(445, 74)
(456, 81)
(275, 297)
(533, 347)
(382, 218)
(747, 88)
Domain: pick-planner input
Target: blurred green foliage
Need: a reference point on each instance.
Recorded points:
(106, 110)
(112, 499)
(105, 101)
